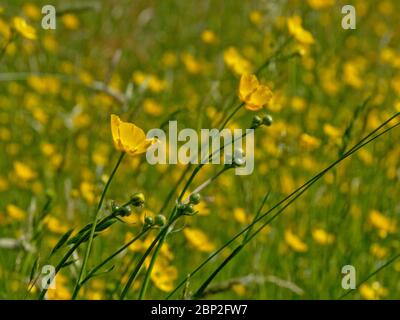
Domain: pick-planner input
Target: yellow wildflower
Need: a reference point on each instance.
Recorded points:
(23, 171)
(152, 107)
(378, 251)
(295, 242)
(31, 11)
(320, 4)
(351, 71)
(70, 21)
(236, 62)
(54, 225)
(191, 64)
(240, 215)
(256, 17)
(384, 224)
(3, 184)
(322, 237)
(163, 275)
(88, 191)
(254, 95)
(23, 28)
(15, 212)
(128, 138)
(209, 37)
(309, 142)
(198, 239)
(4, 29)
(298, 32)
(372, 292)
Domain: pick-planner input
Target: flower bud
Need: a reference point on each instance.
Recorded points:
(238, 157)
(256, 122)
(185, 209)
(160, 220)
(124, 211)
(267, 119)
(148, 221)
(194, 198)
(137, 200)
(114, 207)
(189, 209)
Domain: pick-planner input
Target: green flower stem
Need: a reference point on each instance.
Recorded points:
(293, 196)
(162, 240)
(61, 263)
(91, 236)
(112, 256)
(135, 272)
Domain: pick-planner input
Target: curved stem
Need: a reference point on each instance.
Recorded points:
(91, 236)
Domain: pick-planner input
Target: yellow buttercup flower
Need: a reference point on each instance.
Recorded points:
(384, 224)
(209, 37)
(198, 239)
(375, 291)
(252, 93)
(295, 242)
(70, 21)
(236, 62)
(320, 4)
(129, 138)
(23, 28)
(322, 237)
(15, 212)
(298, 32)
(23, 171)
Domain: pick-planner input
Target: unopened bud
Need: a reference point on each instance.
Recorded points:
(160, 220)
(137, 200)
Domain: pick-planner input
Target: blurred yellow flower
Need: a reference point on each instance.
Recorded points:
(295, 242)
(60, 292)
(236, 62)
(256, 17)
(332, 132)
(309, 142)
(384, 224)
(378, 251)
(298, 32)
(70, 21)
(4, 29)
(15, 212)
(322, 237)
(23, 171)
(129, 138)
(320, 4)
(31, 11)
(3, 184)
(54, 225)
(351, 73)
(152, 107)
(252, 93)
(87, 190)
(198, 239)
(163, 275)
(209, 37)
(191, 64)
(23, 28)
(240, 215)
(372, 292)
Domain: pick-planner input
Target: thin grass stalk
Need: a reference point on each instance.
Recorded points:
(356, 147)
(94, 223)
